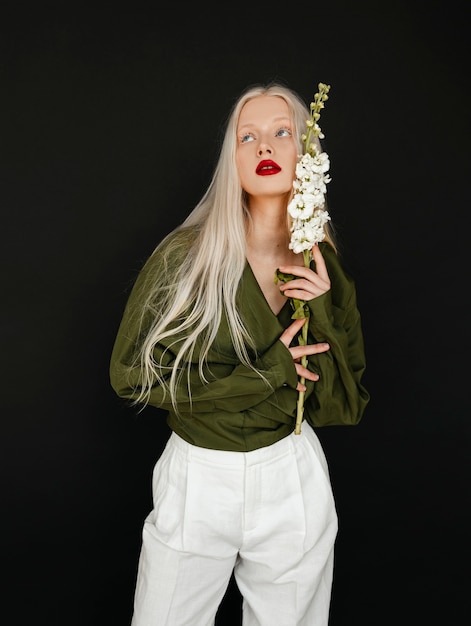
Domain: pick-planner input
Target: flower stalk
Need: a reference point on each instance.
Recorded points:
(308, 215)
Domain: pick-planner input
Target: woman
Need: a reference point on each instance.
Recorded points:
(207, 334)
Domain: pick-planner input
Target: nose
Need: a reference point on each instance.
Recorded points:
(264, 148)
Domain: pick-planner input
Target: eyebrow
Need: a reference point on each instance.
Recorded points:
(281, 118)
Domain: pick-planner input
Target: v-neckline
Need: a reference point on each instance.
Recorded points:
(260, 290)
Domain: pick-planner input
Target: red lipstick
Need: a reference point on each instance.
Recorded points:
(267, 168)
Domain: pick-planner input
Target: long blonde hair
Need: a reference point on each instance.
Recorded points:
(204, 282)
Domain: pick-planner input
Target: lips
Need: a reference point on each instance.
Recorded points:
(267, 168)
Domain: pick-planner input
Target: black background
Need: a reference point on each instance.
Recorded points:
(110, 126)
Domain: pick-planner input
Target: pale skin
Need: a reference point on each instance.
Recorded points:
(264, 133)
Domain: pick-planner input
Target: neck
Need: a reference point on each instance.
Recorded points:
(268, 229)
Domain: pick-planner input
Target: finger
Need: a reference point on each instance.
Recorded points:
(321, 268)
(313, 281)
(296, 283)
(303, 372)
(298, 352)
(304, 293)
(290, 333)
(296, 270)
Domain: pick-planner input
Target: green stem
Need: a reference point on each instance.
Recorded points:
(302, 341)
(300, 404)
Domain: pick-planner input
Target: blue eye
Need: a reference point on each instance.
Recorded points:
(246, 138)
(283, 132)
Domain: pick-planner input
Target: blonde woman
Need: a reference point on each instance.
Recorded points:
(207, 335)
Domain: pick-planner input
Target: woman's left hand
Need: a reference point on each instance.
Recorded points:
(310, 284)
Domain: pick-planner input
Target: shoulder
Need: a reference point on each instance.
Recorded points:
(165, 262)
(342, 284)
(172, 251)
(333, 261)
(178, 242)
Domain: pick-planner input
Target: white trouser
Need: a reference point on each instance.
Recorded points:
(269, 515)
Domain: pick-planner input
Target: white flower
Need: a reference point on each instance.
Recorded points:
(307, 205)
(302, 206)
(307, 212)
(308, 202)
(320, 163)
(306, 233)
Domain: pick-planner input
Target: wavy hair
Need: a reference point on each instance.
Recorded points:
(204, 283)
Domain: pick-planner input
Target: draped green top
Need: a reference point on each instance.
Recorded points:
(235, 409)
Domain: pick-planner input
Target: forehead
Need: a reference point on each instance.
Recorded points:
(263, 109)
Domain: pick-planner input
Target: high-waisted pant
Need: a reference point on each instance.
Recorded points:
(268, 516)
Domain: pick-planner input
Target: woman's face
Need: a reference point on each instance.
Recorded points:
(266, 152)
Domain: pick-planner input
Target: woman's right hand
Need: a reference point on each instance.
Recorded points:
(297, 352)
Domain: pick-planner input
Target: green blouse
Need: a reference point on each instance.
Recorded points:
(236, 409)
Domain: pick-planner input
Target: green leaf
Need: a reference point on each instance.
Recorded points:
(301, 310)
(282, 278)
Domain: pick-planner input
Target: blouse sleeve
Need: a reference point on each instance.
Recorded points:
(230, 386)
(230, 389)
(338, 397)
